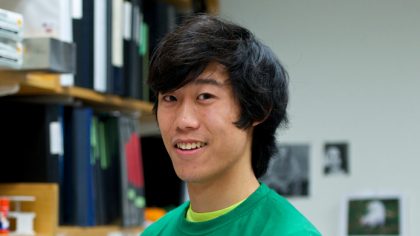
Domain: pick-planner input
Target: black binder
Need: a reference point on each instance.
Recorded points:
(25, 142)
(132, 67)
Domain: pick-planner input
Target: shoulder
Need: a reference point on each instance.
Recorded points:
(285, 216)
(170, 218)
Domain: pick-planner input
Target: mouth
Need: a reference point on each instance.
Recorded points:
(190, 145)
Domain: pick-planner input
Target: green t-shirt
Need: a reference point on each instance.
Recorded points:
(264, 213)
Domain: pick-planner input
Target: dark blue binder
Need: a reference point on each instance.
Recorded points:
(83, 37)
(78, 178)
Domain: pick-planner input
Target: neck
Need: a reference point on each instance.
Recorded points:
(223, 192)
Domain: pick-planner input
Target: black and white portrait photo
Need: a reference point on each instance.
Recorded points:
(288, 171)
(336, 159)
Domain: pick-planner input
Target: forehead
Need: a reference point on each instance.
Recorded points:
(215, 74)
(214, 71)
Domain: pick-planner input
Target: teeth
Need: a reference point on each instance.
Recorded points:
(189, 146)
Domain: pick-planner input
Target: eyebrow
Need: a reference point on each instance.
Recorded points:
(209, 81)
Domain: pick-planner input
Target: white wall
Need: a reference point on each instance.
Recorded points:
(355, 76)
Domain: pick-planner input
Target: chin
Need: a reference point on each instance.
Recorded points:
(189, 178)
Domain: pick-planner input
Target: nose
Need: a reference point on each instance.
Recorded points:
(187, 117)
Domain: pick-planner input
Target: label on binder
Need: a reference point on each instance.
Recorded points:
(56, 138)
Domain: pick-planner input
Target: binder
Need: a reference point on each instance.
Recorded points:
(109, 42)
(132, 66)
(98, 144)
(107, 170)
(160, 17)
(78, 173)
(28, 151)
(144, 61)
(117, 47)
(83, 34)
(103, 45)
(112, 173)
(132, 187)
(100, 46)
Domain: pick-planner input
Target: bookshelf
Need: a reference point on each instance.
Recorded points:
(211, 5)
(97, 231)
(45, 206)
(48, 85)
(45, 88)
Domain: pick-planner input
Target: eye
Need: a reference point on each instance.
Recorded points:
(205, 96)
(169, 98)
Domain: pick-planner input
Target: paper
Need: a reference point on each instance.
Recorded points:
(56, 138)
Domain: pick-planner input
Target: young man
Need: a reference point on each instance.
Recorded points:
(221, 95)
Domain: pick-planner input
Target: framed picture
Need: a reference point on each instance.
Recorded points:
(336, 159)
(288, 170)
(372, 214)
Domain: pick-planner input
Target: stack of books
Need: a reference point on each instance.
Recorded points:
(11, 36)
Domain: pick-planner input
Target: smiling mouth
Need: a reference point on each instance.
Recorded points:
(190, 146)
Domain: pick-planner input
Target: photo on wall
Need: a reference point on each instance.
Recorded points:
(336, 159)
(288, 170)
(372, 214)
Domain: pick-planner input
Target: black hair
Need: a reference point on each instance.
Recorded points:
(259, 81)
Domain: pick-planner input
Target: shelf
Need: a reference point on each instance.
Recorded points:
(42, 84)
(97, 231)
(212, 5)
(45, 206)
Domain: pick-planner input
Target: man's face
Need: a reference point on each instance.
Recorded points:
(196, 123)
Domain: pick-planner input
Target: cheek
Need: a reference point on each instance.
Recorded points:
(162, 117)
(225, 114)
(164, 121)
